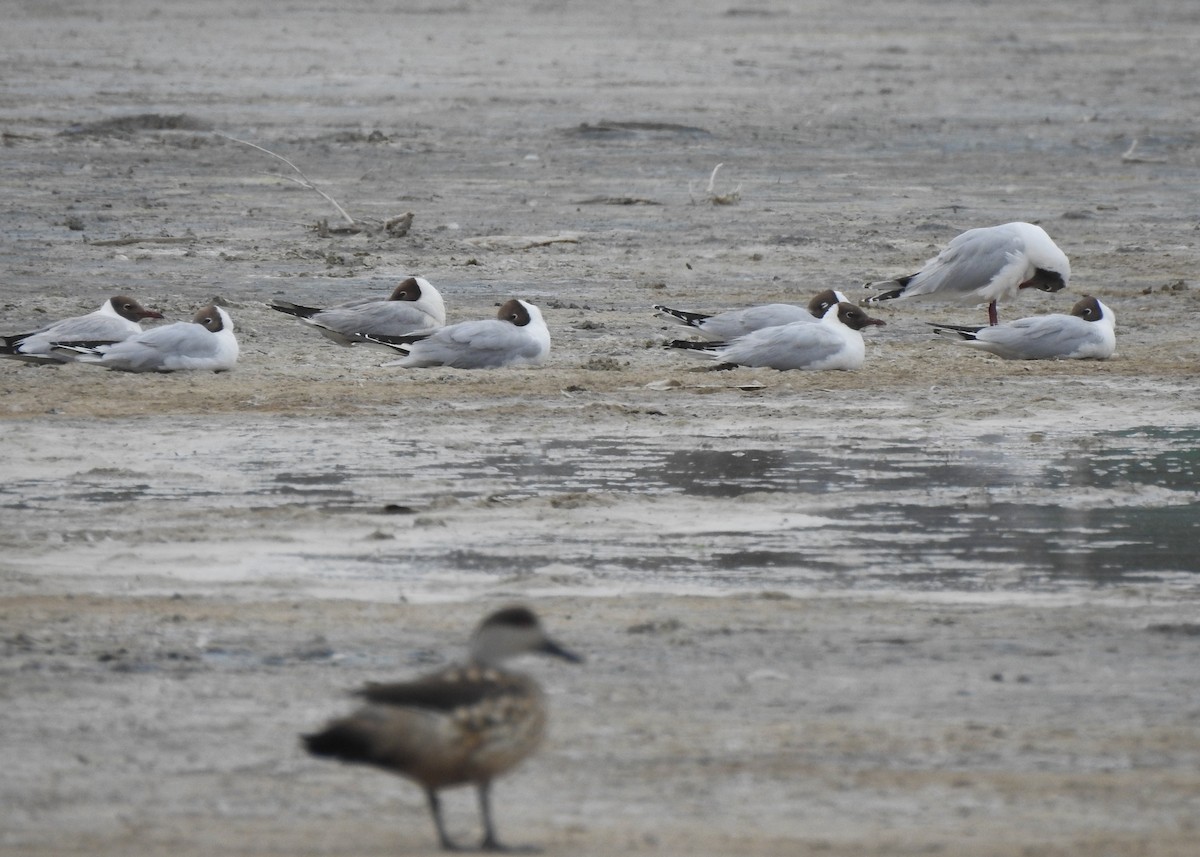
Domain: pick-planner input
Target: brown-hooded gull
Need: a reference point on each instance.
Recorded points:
(833, 343)
(985, 265)
(117, 319)
(739, 322)
(205, 343)
(1087, 333)
(517, 336)
(414, 307)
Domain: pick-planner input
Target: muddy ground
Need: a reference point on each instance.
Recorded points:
(155, 676)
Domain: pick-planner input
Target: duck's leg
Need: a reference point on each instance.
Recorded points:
(490, 842)
(435, 809)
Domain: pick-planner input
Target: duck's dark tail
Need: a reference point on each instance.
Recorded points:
(340, 740)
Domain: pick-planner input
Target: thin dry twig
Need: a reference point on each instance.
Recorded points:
(304, 181)
(1130, 155)
(715, 198)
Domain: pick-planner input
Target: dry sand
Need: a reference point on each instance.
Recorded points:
(162, 653)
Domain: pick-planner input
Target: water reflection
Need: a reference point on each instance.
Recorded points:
(799, 509)
(658, 466)
(1102, 509)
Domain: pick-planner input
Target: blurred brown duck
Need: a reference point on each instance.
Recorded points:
(466, 724)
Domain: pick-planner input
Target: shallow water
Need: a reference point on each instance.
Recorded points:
(324, 501)
(1113, 507)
